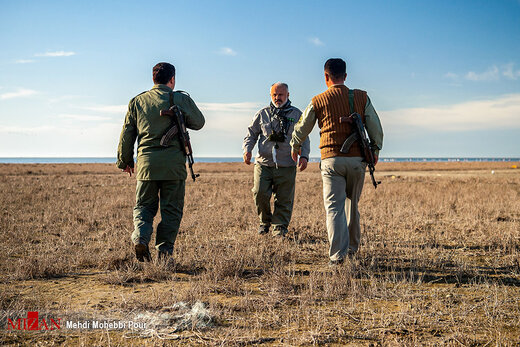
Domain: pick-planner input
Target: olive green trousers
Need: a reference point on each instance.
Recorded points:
(279, 183)
(169, 195)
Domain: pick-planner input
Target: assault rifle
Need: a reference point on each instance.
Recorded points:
(184, 138)
(367, 148)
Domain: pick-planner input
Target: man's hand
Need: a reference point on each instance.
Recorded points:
(295, 155)
(129, 169)
(247, 158)
(302, 164)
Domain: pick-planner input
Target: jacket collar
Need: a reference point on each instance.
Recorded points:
(162, 87)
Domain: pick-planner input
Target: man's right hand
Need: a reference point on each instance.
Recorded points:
(129, 169)
(247, 158)
(294, 155)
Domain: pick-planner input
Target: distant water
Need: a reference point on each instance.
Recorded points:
(104, 160)
(27, 160)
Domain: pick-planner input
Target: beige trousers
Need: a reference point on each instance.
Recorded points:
(343, 179)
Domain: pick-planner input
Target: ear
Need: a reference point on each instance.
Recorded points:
(327, 77)
(171, 83)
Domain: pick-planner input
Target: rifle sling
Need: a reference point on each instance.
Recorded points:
(351, 100)
(171, 99)
(172, 131)
(354, 136)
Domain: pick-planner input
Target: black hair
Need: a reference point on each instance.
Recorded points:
(163, 73)
(335, 68)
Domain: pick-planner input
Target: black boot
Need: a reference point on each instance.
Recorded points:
(263, 229)
(142, 253)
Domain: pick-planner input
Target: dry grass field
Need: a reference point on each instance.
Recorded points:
(439, 262)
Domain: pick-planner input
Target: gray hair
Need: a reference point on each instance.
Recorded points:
(280, 84)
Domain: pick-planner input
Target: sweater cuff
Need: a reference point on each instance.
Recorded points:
(122, 165)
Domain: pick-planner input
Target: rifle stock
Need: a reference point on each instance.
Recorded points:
(179, 128)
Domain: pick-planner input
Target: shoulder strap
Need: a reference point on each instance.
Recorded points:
(351, 100)
(171, 99)
(172, 96)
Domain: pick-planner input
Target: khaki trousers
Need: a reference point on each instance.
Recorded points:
(278, 182)
(343, 179)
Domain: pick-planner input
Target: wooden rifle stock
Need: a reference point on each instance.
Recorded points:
(179, 127)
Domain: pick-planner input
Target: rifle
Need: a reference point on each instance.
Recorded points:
(367, 148)
(184, 138)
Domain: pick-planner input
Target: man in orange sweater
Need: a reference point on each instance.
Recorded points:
(343, 174)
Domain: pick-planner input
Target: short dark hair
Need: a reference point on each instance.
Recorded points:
(335, 68)
(163, 72)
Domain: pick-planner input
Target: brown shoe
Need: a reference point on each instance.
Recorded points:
(142, 253)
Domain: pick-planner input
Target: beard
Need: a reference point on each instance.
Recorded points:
(279, 103)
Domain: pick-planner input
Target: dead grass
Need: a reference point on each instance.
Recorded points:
(439, 262)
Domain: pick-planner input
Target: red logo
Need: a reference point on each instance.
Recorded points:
(33, 322)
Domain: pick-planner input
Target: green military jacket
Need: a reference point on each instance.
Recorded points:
(144, 123)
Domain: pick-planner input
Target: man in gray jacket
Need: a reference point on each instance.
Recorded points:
(275, 170)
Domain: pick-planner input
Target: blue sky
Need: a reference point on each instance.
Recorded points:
(444, 76)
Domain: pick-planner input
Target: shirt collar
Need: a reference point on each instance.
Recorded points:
(162, 87)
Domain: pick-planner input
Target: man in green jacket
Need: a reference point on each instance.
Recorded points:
(161, 171)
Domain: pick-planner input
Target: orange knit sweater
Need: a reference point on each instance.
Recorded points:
(329, 106)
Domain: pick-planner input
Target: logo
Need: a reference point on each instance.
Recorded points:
(33, 322)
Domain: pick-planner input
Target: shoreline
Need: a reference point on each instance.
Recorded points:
(110, 160)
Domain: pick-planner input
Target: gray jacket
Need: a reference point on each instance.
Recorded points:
(264, 125)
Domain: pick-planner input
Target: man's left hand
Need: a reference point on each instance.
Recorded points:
(302, 164)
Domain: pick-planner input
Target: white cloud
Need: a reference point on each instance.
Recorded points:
(112, 109)
(71, 140)
(64, 98)
(451, 76)
(509, 72)
(229, 107)
(494, 73)
(83, 117)
(499, 113)
(316, 41)
(491, 74)
(25, 130)
(227, 51)
(225, 128)
(24, 61)
(20, 93)
(230, 118)
(55, 54)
